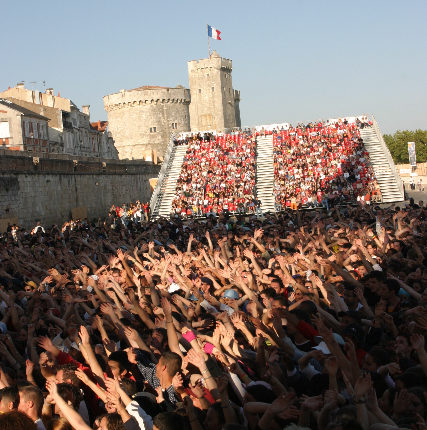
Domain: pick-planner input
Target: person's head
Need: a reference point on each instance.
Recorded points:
(159, 338)
(31, 401)
(168, 365)
(111, 422)
(389, 290)
(280, 302)
(214, 417)
(349, 296)
(15, 420)
(167, 421)
(375, 358)
(9, 399)
(71, 394)
(58, 424)
(277, 284)
(402, 346)
(67, 373)
(118, 363)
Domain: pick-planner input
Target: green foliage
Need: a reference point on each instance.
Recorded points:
(398, 145)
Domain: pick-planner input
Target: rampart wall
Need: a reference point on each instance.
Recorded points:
(51, 188)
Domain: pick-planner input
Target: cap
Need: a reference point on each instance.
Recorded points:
(231, 294)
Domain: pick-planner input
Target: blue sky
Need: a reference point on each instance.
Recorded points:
(293, 61)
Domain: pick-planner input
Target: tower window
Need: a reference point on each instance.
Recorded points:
(153, 129)
(200, 91)
(174, 125)
(207, 75)
(213, 89)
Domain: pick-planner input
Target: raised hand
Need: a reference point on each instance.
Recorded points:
(311, 403)
(166, 306)
(195, 358)
(177, 381)
(331, 365)
(29, 367)
(107, 309)
(258, 233)
(84, 335)
(52, 388)
(82, 376)
(46, 344)
(362, 386)
(417, 342)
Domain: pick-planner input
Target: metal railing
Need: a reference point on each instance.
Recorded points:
(389, 157)
(156, 196)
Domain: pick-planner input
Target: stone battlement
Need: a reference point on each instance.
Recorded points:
(16, 162)
(146, 96)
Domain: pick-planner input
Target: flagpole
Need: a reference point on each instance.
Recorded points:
(209, 43)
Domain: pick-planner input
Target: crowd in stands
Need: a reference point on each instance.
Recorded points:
(321, 165)
(218, 174)
(302, 319)
(318, 164)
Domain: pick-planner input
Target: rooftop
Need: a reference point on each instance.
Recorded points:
(24, 111)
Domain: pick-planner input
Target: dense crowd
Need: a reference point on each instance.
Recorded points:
(319, 164)
(218, 174)
(310, 319)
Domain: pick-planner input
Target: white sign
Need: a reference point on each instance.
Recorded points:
(270, 127)
(405, 171)
(4, 130)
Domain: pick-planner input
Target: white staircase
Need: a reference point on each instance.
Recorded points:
(383, 165)
(265, 172)
(167, 188)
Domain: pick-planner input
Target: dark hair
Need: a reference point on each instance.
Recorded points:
(168, 421)
(70, 393)
(120, 357)
(114, 422)
(172, 361)
(393, 285)
(281, 299)
(261, 393)
(379, 355)
(15, 420)
(269, 292)
(128, 386)
(69, 374)
(10, 394)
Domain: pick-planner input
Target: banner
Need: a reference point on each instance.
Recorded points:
(412, 154)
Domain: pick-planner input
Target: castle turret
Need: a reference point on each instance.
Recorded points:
(214, 104)
(143, 119)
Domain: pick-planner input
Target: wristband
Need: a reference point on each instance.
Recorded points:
(208, 348)
(189, 336)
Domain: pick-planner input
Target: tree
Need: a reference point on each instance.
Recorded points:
(398, 145)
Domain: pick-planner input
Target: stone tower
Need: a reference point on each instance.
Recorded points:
(143, 119)
(214, 103)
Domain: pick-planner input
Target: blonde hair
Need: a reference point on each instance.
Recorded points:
(58, 424)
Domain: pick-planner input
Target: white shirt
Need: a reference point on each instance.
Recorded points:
(144, 420)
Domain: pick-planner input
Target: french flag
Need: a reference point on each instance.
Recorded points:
(214, 33)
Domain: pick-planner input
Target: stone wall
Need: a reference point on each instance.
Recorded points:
(50, 189)
(144, 119)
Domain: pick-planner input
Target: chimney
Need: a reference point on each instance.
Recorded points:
(99, 125)
(49, 91)
(86, 110)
